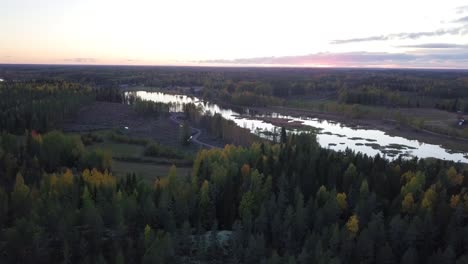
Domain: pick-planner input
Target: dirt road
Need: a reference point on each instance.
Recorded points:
(194, 138)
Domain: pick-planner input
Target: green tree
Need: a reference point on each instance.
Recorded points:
(20, 198)
(161, 250)
(284, 136)
(3, 206)
(385, 255)
(410, 256)
(349, 176)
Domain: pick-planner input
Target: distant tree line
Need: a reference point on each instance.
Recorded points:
(40, 106)
(269, 86)
(369, 95)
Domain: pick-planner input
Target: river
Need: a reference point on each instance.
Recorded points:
(330, 134)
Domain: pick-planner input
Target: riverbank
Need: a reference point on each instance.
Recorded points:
(389, 126)
(385, 123)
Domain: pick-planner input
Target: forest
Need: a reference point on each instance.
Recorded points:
(254, 201)
(290, 202)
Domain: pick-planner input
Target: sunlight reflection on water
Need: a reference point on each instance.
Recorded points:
(332, 135)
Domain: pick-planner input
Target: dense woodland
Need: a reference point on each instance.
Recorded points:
(39, 105)
(285, 203)
(289, 202)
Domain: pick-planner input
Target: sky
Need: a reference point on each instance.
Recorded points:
(306, 33)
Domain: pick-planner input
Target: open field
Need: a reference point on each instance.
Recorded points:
(104, 118)
(120, 149)
(129, 158)
(148, 172)
(107, 116)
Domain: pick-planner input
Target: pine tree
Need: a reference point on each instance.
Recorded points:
(410, 256)
(385, 255)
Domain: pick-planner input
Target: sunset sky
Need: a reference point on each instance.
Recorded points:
(367, 33)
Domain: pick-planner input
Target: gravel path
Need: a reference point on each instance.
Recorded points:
(194, 138)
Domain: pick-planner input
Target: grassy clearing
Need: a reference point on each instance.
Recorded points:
(148, 172)
(120, 149)
(145, 167)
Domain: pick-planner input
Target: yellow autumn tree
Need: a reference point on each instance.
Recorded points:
(96, 178)
(414, 183)
(245, 170)
(454, 200)
(430, 198)
(160, 182)
(407, 205)
(67, 178)
(353, 224)
(454, 177)
(341, 200)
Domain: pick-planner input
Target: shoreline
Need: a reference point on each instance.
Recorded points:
(389, 127)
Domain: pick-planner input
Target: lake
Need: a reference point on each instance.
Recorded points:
(332, 135)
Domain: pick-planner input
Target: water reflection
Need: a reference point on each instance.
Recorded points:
(331, 134)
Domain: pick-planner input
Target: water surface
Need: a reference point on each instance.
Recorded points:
(330, 134)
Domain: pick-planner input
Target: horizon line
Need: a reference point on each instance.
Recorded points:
(258, 66)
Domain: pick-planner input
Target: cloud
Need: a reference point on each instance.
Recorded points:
(462, 9)
(82, 60)
(412, 35)
(435, 46)
(132, 60)
(352, 40)
(462, 20)
(359, 59)
(317, 58)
